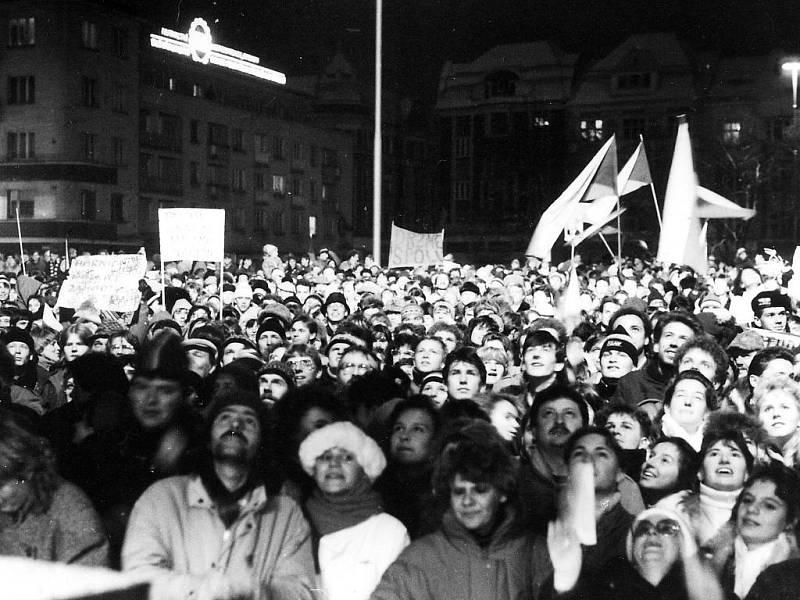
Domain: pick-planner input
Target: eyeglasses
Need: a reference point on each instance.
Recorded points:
(300, 363)
(665, 528)
(352, 366)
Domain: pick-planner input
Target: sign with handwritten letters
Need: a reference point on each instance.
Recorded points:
(192, 233)
(109, 282)
(776, 338)
(411, 249)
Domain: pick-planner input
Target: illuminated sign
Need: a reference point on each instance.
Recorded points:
(200, 47)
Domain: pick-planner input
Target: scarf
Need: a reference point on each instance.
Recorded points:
(671, 428)
(749, 563)
(330, 513)
(716, 507)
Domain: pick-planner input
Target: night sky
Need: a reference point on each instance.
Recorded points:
(299, 36)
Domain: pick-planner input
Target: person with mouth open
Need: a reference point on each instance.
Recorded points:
(218, 533)
(777, 404)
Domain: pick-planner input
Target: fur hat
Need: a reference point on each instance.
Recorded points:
(98, 372)
(272, 324)
(15, 334)
(347, 436)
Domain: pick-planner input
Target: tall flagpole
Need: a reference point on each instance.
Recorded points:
(19, 235)
(378, 157)
(652, 190)
(619, 234)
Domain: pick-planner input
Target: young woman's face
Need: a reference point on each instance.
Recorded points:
(475, 504)
(74, 347)
(779, 415)
(336, 471)
(661, 470)
(505, 419)
(429, 356)
(762, 516)
(411, 437)
(724, 467)
(688, 404)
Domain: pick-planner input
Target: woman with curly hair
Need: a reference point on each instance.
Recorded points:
(41, 515)
(777, 404)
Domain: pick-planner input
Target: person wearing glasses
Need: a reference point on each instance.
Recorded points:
(304, 363)
(660, 561)
(355, 539)
(355, 361)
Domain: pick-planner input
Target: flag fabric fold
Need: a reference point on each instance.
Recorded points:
(635, 173)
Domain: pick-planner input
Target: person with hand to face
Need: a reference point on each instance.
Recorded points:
(357, 541)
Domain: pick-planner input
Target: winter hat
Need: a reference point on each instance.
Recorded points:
(201, 344)
(278, 310)
(179, 304)
(98, 372)
(622, 342)
(336, 297)
(654, 515)
(277, 368)
(243, 290)
(347, 436)
(15, 334)
(747, 341)
(770, 299)
(272, 324)
(238, 398)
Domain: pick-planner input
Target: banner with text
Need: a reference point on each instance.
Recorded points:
(776, 338)
(192, 233)
(410, 249)
(109, 282)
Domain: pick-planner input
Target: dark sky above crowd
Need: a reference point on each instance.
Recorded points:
(298, 36)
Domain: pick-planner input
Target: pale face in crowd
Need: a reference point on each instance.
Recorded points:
(556, 421)
(429, 356)
(475, 504)
(463, 381)
(448, 339)
(615, 363)
(336, 471)
(74, 347)
(504, 416)
(661, 470)
(699, 360)
(626, 430)
(199, 361)
(436, 391)
(299, 333)
(541, 361)
(119, 346)
(762, 516)
(271, 387)
(724, 467)
(235, 434)
(412, 437)
(673, 336)
(779, 415)
(653, 550)
(635, 329)
(773, 319)
(595, 448)
(20, 351)
(688, 404)
(155, 401)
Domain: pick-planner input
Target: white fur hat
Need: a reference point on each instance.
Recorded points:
(347, 436)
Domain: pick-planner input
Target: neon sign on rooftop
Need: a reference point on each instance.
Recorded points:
(199, 45)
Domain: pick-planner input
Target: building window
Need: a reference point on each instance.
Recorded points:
(194, 131)
(22, 32)
(329, 158)
(262, 220)
(732, 132)
(194, 174)
(14, 201)
(297, 218)
(118, 151)
(197, 90)
(501, 83)
(591, 129)
(278, 226)
(297, 151)
(117, 208)
(239, 219)
(297, 186)
(119, 42)
(238, 180)
(89, 146)
(312, 191)
(278, 184)
(461, 191)
(22, 90)
(325, 192)
(499, 124)
(278, 148)
(238, 140)
(89, 89)
(218, 175)
(258, 182)
(89, 35)
(540, 121)
(633, 128)
(634, 81)
(313, 156)
(119, 96)
(463, 147)
(21, 144)
(88, 205)
(218, 134)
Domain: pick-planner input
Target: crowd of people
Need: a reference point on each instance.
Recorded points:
(309, 427)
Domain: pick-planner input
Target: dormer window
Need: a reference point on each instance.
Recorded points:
(500, 84)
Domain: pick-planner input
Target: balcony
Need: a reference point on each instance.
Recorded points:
(157, 185)
(160, 141)
(58, 167)
(46, 230)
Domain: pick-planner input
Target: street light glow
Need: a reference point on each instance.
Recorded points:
(793, 67)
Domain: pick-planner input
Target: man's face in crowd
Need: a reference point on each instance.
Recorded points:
(608, 310)
(541, 360)
(271, 388)
(235, 434)
(463, 381)
(5, 290)
(155, 400)
(268, 341)
(412, 315)
(335, 356)
(595, 448)
(634, 327)
(555, 422)
(777, 366)
(354, 363)
(625, 429)
(242, 303)
(448, 339)
(674, 335)
(230, 352)
(699, 360)
(773, 319)
(303, 368)
(199, 361)
(615, 363)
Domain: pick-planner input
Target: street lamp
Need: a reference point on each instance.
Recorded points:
(793, 67)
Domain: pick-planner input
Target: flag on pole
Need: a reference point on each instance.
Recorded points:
(686, 205)
(636, 172)
(595, 183)
(569, 304)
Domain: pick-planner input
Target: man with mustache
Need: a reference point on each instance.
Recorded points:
(556, 413)
(218, 534)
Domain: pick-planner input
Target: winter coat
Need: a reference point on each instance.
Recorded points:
(649, 382)
(450, 565)
(777, 582)
(176, 537)
(69, 531)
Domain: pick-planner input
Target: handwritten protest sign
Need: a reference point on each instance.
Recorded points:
(410, 249)
(110, 282)
(775, 338)
(192, 233)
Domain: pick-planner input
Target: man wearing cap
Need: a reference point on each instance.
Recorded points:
(218, 533)
(202, 356)
(274, 382)
(637, 326)
(335, 310)
(271, 334)
(618, 356)
(337, 346)
(744, 347)
(770, 310)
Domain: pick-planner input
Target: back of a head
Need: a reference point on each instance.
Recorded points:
(163, 357)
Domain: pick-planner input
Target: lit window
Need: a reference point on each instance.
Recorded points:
(541, 122)
(278, 184)
(89, 35)
(14, 201)
(21, 144)
(592, 129)
(22, 32)
(22, 90)
(732, 132)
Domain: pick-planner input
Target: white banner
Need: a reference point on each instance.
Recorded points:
(110, 282)
(410, 249)
(192, 233)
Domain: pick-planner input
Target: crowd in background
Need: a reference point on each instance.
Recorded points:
(308, 427)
